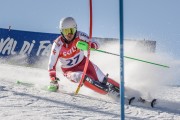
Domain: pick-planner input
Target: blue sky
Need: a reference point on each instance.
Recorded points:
(157, 20)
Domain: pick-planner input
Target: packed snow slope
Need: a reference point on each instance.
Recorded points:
(31, 102)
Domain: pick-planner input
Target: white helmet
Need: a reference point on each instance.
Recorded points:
(67, 22)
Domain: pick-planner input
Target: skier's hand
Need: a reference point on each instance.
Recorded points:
(55, 79)
(83, 45)
(52, 74)
(94, 45)
(54, 86)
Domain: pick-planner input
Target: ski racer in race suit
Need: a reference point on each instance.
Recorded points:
(73, 59)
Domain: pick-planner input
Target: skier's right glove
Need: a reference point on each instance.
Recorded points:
(55, 79)
(54, 86)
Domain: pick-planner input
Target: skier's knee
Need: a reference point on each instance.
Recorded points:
(74, 76)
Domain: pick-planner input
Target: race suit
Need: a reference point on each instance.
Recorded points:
(73, 59)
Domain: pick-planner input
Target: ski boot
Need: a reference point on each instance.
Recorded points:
(54, 86)
(113, 87)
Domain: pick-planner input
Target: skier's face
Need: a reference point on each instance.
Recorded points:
(69, 37)
(69, 33)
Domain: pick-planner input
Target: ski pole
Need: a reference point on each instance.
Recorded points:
(84, 46)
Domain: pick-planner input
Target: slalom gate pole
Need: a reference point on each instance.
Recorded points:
(121, 27)
(89, 49)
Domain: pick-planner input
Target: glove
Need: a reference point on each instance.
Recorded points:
(55, 79)
(54, 86)
(94, 45)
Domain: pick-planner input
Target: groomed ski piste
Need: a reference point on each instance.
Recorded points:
(31, 102)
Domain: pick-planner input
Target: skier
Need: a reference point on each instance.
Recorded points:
(73, 60)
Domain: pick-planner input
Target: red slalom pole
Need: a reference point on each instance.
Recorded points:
(88, 52)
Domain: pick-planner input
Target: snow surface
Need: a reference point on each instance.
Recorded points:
(31, 102)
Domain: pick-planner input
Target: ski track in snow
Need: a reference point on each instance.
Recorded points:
(19, 102)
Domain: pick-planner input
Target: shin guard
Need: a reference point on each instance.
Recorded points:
(96, 85)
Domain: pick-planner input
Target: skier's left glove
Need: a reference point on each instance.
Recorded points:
(94, 45)
(55, 79)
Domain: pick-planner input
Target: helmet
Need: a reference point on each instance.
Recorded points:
(68, 25)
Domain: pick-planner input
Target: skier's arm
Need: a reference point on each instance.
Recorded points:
(56, 47)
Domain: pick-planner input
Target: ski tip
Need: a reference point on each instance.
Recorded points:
(130, 100)
(153, 102)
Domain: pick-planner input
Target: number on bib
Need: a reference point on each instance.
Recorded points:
(73, 61)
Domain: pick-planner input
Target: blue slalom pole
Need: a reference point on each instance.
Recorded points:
(121, 26)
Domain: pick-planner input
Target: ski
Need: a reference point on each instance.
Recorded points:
(140, 100)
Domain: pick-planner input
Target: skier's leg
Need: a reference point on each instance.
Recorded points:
(96, 74)
(73, 76)
(113, 87)
(107, 86)
(96, 85)
(99, 82)
(88, 82)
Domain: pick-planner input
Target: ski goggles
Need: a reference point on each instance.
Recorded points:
(68, 31)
